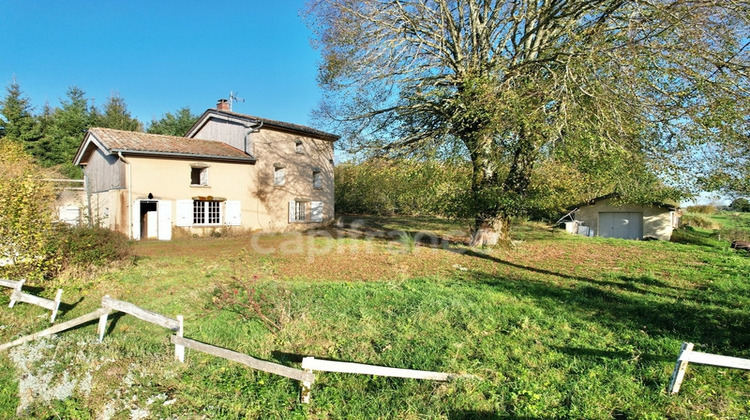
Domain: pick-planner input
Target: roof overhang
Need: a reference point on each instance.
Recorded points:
(91, 142)
(616, 196)
(248, 159)
(85, 148)
(248, 122)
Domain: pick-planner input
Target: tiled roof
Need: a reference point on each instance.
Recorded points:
(272, 123)
(156, 144)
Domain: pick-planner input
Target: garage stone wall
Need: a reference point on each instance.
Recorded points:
(657, 221)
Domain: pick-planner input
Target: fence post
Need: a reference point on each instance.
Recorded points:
(16, 290)
(58, 297)
(680, 368)
(307, 385)
(179, 350)
(103, 321)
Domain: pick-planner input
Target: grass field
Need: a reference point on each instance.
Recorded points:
(556, 326)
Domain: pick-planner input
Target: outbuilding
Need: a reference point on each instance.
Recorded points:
(610, 217)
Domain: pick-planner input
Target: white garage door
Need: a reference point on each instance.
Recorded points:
(621, 225)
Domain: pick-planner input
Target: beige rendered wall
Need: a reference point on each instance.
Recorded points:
(657, 221)
(169, 179)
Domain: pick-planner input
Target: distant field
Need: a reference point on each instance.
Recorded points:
(732, 220)
(555, 326)
(723, 225)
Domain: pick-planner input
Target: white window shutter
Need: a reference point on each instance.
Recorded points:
(316, 210)
(184, 213)
(291, 212)
(136, 227)
(233, 213)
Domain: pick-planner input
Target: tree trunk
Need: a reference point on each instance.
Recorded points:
(489, 227)
(497, 201)
(490, 231)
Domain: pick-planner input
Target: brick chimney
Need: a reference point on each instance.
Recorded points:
(223, 105)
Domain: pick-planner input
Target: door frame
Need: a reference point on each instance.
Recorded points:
(163, 219)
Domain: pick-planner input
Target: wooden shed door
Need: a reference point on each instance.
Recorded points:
(621, 225)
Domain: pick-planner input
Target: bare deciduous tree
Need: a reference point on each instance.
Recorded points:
(650, 82)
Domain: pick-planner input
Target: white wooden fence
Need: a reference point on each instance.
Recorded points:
(309, 364)
(19, 296)
(108, 306)
(687, 355)
(305, 376)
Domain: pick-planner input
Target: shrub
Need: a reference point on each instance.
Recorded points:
(703, 209)
(698, 221)
(83, 246)
(26, 203)
(408, 187)
(249, 294)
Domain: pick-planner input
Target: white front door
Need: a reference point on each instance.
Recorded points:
(164, 210)
(156, 216)
(152, 225)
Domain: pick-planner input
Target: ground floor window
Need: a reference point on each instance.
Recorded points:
(206, 212)
(299, 211)
(302, 211)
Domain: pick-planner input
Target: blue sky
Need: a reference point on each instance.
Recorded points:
(163, 55)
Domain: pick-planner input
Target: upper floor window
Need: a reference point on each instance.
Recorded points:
(199, 175)
(317, 179)
(298, 146)
(279, 174)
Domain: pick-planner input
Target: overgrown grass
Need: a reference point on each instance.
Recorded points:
(559, 326)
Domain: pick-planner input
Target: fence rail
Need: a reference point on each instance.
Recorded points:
(108, 306)
(10, 283)
(312, 363)
(52, 305)
(687, 355)
(143, 314)
(269, 367)
(55, 329)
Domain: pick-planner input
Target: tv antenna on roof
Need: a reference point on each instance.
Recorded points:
(234, 98)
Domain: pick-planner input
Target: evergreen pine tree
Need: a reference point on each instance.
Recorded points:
(117, 116)
(176, 124)
(66, 129)
(18, 122)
